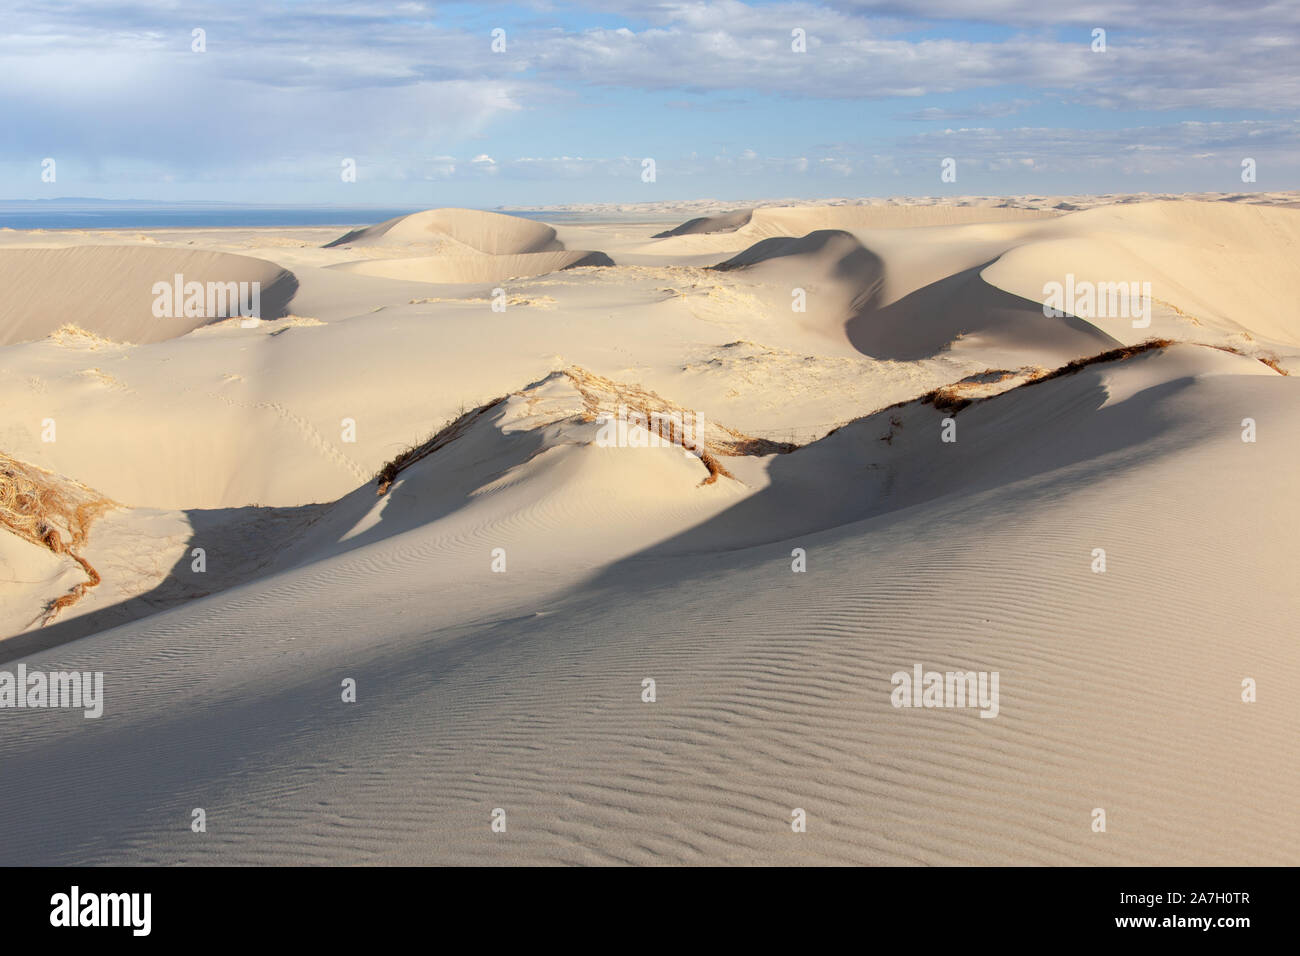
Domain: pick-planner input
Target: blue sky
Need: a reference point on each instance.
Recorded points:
(713, 92)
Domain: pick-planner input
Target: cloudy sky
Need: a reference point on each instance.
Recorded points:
(1012, 90)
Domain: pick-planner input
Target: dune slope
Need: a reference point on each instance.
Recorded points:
(772, 688)
(487, 232)
(109, 290)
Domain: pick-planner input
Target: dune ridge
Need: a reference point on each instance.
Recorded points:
(642, 654)
(490, 233)
(467, 245)
(773, 712)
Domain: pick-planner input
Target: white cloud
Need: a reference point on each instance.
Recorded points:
(285, 91)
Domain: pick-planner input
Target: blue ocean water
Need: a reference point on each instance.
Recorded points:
(111, 214)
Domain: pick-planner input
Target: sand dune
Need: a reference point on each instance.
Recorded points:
(736, 231)
(411, 489)
(109, 290)
(724, 222)
(469, 246)
(962, 308)
(965, 311)
(490, 233)
(768, 698)
(1223, 267)
(1213, 272)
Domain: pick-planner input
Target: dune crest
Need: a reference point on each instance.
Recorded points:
(468, 245)
(706, 225)
(490, 233)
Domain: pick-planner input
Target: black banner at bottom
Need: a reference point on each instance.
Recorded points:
(301, 905)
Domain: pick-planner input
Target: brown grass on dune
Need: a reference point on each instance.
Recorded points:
(949, 398)
(1113, 355)
(602, 395)
(954, 397)
(74, 336)
(715, 468)
(445, 435)
(51, 512)
(957, 395)
(946, 399)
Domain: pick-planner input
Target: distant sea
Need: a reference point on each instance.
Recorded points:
(114, 214)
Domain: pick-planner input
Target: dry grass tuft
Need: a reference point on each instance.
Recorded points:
(445, 435)
(600, 394)
(1114, 355)
(950, 398)
(603, 396)
(52, 512)
(953, 398)
(946, 398)
(73, 336)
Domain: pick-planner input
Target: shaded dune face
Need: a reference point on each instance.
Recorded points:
(1201, 270)
(846, 282)
(110, 290)
(707, 225)
(1217, 265)
(848, 254)
(931, 319)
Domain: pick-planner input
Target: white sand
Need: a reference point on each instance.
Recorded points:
(522, 690)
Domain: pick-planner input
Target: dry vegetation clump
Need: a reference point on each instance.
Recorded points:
(946, 398)
(956, 396)
(1114, 355)
(953, 398)
(604, 396)
(600, 394)
(445, 435)
(51, 512)
(73, 336)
